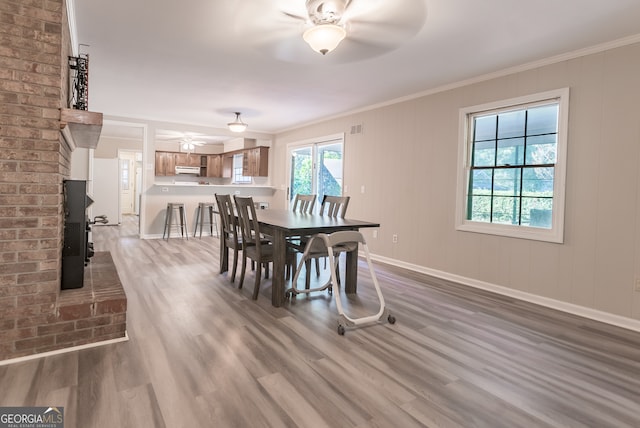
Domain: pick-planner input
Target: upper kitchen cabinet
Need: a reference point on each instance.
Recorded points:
(214, 166)
(188, 159)
(165, 163)
(255, 162)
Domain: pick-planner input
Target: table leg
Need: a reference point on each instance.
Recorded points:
(351, 274)
(279, 264)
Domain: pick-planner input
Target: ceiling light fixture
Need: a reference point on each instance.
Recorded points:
(188, 146)
(237, 125)
(324, 38)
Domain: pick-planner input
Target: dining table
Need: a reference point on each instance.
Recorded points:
(280, 224)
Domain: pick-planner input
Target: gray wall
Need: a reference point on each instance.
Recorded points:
(407, 160)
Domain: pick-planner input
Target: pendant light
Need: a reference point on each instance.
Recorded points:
(237, 125)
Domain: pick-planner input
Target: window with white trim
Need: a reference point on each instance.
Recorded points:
(511, 172)
(238, 178)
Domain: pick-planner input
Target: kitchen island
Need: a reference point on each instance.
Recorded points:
(191, 193)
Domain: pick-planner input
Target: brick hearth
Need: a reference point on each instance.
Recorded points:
(93, 313)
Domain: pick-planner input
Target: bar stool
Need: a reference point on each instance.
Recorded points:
(169, 217)
(203, 207)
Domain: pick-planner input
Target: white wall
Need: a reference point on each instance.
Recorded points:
(406, 159)
(80, 164)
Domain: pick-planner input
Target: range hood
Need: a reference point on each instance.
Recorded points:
(193, 170)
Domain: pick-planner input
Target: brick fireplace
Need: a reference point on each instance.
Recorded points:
(35, 315)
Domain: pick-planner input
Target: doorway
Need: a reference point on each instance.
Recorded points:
(130, 178)
(316, 167)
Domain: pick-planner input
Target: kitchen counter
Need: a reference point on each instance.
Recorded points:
(191, 194)
(224, 186)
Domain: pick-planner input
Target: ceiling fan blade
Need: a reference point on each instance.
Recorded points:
(402, 17)
(294, 16)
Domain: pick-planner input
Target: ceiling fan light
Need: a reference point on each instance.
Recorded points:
(237, 125)
(324, 38)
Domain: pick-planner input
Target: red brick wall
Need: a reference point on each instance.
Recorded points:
(34, 45)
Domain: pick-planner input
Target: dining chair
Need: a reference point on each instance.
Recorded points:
(254, 246)
(304, 203)
(229, 231)
(332, 206)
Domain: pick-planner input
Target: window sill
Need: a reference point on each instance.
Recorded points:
(519, 232)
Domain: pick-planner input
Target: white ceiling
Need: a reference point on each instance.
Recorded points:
(198, 61)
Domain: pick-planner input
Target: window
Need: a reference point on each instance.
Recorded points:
(512, 167)
(237, 170)
(316, 166)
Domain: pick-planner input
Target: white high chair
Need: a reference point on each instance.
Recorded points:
(333, 244)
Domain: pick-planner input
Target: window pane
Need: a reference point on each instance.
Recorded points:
(479, 208)
(237, 169)
(329, 170)
(537, 182)
(542, 149)
(506, 210)
(537, 212)
(542, 120)
(507, 182)
(485, 128)
(301, 172)
(510, 152)
(511, 124)
(481, 182)
(484, 153)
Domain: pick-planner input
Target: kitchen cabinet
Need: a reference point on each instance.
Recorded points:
(255, 162)
(165, 163)
(213, 165)
(227, 165)
(188, 159)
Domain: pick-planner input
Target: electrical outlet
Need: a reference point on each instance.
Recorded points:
(165, 189)
(375, 234)
(394, 238)
(638, 284)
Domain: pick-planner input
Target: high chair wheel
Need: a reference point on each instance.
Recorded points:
(391, 319)
(340, 329)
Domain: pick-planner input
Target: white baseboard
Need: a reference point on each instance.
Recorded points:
(153, 236)
(64, 350)
(605, 317)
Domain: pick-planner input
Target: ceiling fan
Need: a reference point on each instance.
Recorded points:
(187, 141)
(362, 28)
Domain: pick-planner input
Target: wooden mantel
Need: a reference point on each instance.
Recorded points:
(80, 128)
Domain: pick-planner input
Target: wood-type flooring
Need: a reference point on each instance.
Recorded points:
(203, 354)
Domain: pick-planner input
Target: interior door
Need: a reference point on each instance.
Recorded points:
(127, 183)
(316, 167)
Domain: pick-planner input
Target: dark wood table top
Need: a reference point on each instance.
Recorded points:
(289, 221)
